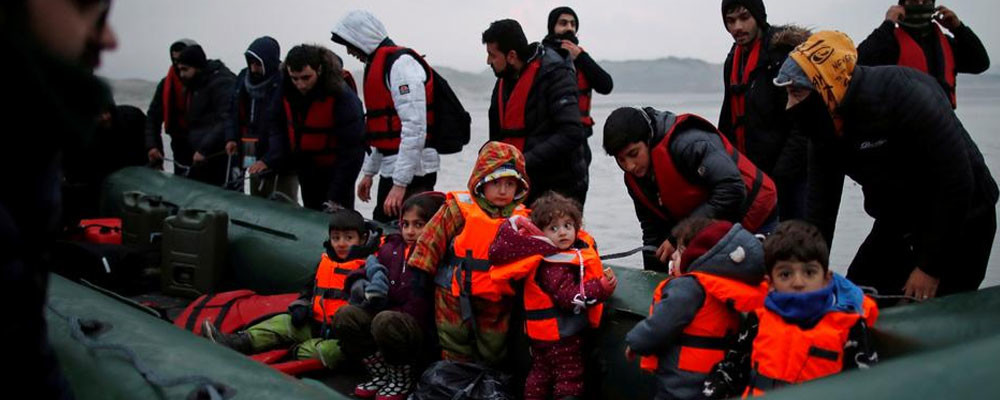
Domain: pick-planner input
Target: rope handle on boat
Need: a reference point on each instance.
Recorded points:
(86, 330)
(624, 254)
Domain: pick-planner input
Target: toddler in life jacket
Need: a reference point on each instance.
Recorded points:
(564, 286)
(307, 325)
(695, 313)
(389, 321)
(814, 322)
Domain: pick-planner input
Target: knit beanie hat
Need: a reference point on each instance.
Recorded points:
(193, 56)
(703, 242)
(755, 7)
(504, 171)
(554, 17)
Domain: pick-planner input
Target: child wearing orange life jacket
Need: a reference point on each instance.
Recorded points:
(306, 326)
(718, 273)
(814, 323)
(564, 286)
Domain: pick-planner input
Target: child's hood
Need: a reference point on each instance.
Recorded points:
(739, 255)
(492, 156)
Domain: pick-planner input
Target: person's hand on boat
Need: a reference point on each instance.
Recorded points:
(231, 147)
(394, 201)
(155, 158)
(895, 13)
(365, 189)
(572, 48)
(629, 354)
(664, 251)
(947, 17)
(198, 158)
(257, 168)
(920, 285)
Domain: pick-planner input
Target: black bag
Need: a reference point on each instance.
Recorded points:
(451, 380)
(452, 128)
(121, 269)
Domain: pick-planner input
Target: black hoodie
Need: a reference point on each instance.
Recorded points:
(255, 98)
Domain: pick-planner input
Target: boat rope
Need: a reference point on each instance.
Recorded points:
(873, 293)
(624, 254)
(83, 330)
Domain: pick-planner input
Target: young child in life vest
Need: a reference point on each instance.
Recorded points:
(389, 321)
(814, 322)
(306, 326)
(696, 312)
(564, 286)
(471, 312)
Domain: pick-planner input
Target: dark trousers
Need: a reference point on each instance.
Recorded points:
(417, 185)
(396, 335)
(318, 186)
(556, 369)
(791, 198)
(212, 171)
(886, 258)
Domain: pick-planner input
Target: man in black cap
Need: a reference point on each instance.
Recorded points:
(208, 87)
(753, 115)
(911, 36)
(167, 109)
(563, 28)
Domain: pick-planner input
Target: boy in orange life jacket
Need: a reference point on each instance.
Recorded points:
(307, 323)
(814, 322)
(471, 312)
(694, 315)
(563, 292)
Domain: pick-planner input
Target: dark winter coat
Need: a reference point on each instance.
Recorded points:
(554, 148)
(209, 94)
(771, 142)
(701, 159)
(682, 297)
(901, 141)
(882, 48)
(410, 291)
(257, 98)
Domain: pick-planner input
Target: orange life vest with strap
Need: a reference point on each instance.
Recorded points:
(382, 121)
(785, 353)
(584, 97)
(739, 84)
(329, 293)
(704, 341)
(681, 197)
(511, 111)
(465, 271)
(313, 134)
(911, 55)
(175, 100)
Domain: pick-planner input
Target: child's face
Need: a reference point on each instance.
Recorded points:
(793, 276)
(412, 225)
(562, 232)
(341, 241)
(500, 192)
(634, 159)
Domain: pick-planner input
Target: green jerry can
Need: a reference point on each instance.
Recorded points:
(142, 219)
(194, 251)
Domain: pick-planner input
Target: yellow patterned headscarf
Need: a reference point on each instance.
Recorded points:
(828, 59)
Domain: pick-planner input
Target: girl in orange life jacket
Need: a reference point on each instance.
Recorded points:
(306, 326)
(694, 316)
(814, 323)
(564, 286)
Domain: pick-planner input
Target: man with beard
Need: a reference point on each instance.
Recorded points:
(534, 107)
(911, 36)
(398, 93)
(753, 114)
(321, 120)
(208, 88)
(563, 27)
(51, 47)
(166, 110)
(247, 133)
(925, 182)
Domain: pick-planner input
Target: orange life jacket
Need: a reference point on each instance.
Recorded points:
(584, 97)
(785, 353)
(175, 99)
(511, 112)
(543, 320)
(329, 293)
(681, 197)
(704, 341)
(466, 268)
(313, 134)
(739, 79)
(382, 121)
(911, 55)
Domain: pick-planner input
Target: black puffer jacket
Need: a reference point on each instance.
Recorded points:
(917, 165)
(771, 142)
(208, 109)
(553, 150)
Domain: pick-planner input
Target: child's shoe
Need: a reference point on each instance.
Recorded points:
(378, 370)
(399, 384)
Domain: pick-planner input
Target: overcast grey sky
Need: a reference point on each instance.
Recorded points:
(448, 32)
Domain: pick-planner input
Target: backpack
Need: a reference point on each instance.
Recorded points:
(452, 127)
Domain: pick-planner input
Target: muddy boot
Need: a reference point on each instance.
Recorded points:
(399, 384)
(378, 371)
(239, 341)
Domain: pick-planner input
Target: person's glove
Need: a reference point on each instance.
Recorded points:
(358, 292)
(300, 314)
